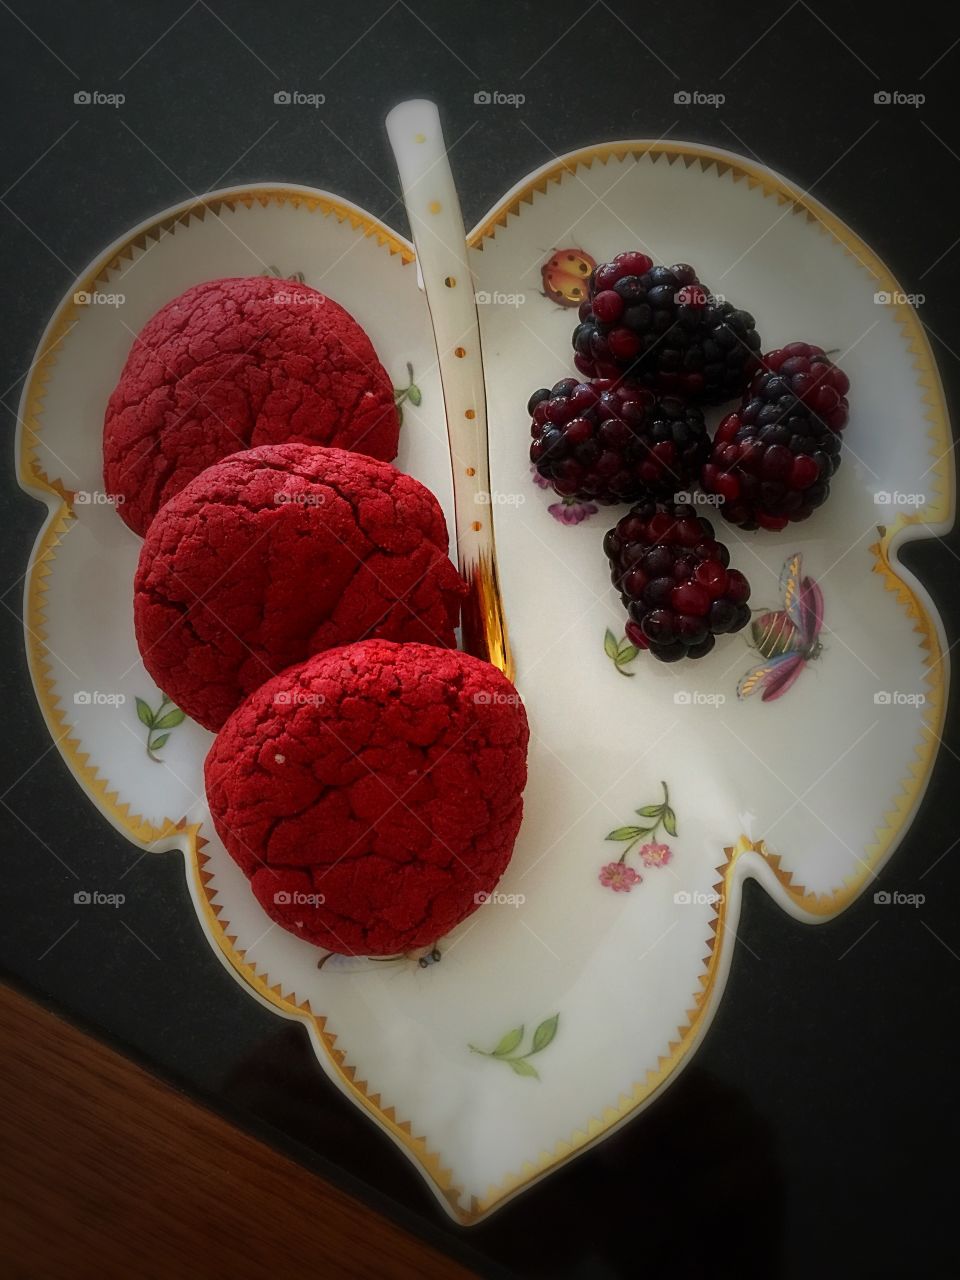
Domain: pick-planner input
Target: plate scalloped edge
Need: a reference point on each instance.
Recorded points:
(741, 858)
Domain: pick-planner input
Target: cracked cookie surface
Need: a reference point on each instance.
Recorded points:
(280, 552)
(233, 364)
(372, 792)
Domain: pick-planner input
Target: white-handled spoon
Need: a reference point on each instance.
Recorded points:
(438, 233)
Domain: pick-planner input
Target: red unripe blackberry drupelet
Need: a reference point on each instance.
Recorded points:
(675, 581)
(277, 553)
(232, 364)
(372, 793)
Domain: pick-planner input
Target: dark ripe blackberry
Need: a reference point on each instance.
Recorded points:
(773, 459)
(614, 441)
(673, 578)
(661, 327)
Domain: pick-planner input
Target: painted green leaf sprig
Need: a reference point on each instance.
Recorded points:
(506, 1049)
(296, 276)
(620, 652)
(158, 723)
(410, 392)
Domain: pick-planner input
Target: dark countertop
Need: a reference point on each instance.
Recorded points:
(814, 1132)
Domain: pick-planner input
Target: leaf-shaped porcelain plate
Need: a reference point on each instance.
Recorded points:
(566, 1003)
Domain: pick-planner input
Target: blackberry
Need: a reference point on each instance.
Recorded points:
(773, 458)
(662, 327)
(675, 580)
(812, 376)
(614, 441)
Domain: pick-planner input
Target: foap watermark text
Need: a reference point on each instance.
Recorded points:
(96, 698)
(298, 698)
(96, 898)
(83, 298)
(495, 98)
(699, 499)
(296, 98)
(498, 899)
(894, 498)
(97, 98)
(895, 898)
(898, 698)
(897, 98)
(698, 698)
(499, 299)
(695, 98)
(895, 298)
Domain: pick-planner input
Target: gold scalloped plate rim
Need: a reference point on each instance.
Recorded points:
(807, 905)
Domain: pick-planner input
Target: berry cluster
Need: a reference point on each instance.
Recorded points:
(675, 581)
(773, 458)
(661, 326)
(615, 441)
(653, 345)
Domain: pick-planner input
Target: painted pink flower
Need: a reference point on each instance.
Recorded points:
(567, 510)
(655, 855)
(619, 877)
(570, 511)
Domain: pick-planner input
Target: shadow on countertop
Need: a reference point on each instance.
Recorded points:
(692, 1188)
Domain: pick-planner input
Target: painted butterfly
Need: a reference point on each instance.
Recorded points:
(786, 638)
(565, 276)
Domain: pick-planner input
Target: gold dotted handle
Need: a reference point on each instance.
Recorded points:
(436, 224)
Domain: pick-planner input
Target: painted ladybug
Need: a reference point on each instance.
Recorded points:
(565, 276)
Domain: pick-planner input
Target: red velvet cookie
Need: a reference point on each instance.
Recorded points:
(232, 364)
(277, 553)
(372, 793)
